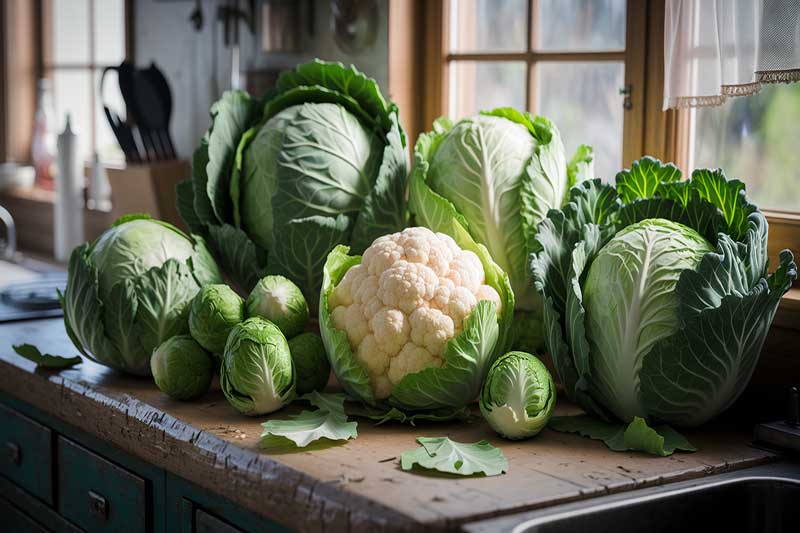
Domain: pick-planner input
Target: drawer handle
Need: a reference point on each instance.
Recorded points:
(98, 506)
(14, 452)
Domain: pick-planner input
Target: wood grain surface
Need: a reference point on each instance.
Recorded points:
(355, 486)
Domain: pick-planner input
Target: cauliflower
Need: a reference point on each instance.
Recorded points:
(407, 298)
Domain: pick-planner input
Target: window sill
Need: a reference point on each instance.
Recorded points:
(32, 210)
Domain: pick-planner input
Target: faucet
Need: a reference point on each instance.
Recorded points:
(8, 249)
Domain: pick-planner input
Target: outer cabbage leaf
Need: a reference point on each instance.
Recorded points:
(384, 209)
(83, 311)
(231, 116)
(300, 254)
(237, 254)
(637, 436)
(342, 80)
(580, 167)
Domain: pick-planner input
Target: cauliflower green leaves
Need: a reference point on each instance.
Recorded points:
(656, 293)
(131, 289)
(518, 396)
(416, 325)
(279, 182)
(497, 175)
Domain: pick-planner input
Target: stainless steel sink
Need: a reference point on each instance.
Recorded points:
(763, 499)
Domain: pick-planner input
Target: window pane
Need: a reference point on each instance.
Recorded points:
(488, 25)
(583, 101)
(581, 25)
(755, 139)
(70, 31)
(107, 147)
(480, 85)
(72, 90)
(109, 31)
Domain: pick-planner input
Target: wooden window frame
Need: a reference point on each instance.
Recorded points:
(47, 66)
(23, 61)
(437, 58)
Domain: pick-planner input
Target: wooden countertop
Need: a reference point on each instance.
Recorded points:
(358, 485)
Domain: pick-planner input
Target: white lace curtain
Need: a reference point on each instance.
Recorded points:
(714, 49)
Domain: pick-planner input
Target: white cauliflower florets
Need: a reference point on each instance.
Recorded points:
(407, 298)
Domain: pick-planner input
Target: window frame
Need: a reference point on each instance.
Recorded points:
(47, 66)
(437, 59)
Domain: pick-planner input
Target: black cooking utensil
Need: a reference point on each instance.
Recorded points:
(162, 120)
(122, 131)
(152, 104)
(128, 86)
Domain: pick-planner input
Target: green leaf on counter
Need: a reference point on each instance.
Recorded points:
(328, 421)
(45, 360)
(637, 436)
(451, 457)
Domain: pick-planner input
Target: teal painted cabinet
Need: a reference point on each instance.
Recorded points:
(56, 478)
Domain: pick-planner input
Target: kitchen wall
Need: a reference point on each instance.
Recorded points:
(198, 66)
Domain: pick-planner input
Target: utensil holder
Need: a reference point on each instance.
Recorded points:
(148, 188)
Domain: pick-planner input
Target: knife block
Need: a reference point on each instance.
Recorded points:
(148, 188)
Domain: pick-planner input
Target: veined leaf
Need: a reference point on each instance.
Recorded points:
(451, 457)
(637, 436)
(309, 426)
(328, 421)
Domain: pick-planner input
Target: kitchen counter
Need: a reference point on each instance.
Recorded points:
(354, 486)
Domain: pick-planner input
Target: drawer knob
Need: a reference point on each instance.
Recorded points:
(14, 452)
(98, 505)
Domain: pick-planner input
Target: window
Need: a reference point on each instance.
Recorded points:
(564, 59)
(80, 39)
(754, 139)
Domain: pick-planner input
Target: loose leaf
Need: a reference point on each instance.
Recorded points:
(45, 360)
(445, 455)
(637, 436)
(310, 426)
(328, 421)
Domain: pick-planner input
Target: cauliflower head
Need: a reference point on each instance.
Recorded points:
(405, 301)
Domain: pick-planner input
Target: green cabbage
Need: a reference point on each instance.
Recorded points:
(131, 289)
(656, 294)
(278, 183)
(497, 174)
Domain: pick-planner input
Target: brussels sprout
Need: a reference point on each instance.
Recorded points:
(215, 310)
(518, 396)
(310, 362)
(257, 375)
(181, 368)
(281, 302)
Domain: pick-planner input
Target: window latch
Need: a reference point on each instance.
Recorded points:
(627, 102)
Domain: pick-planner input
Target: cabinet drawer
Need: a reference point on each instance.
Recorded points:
(17, 521)
(208, 523)
(96, 494)
(26, 457)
